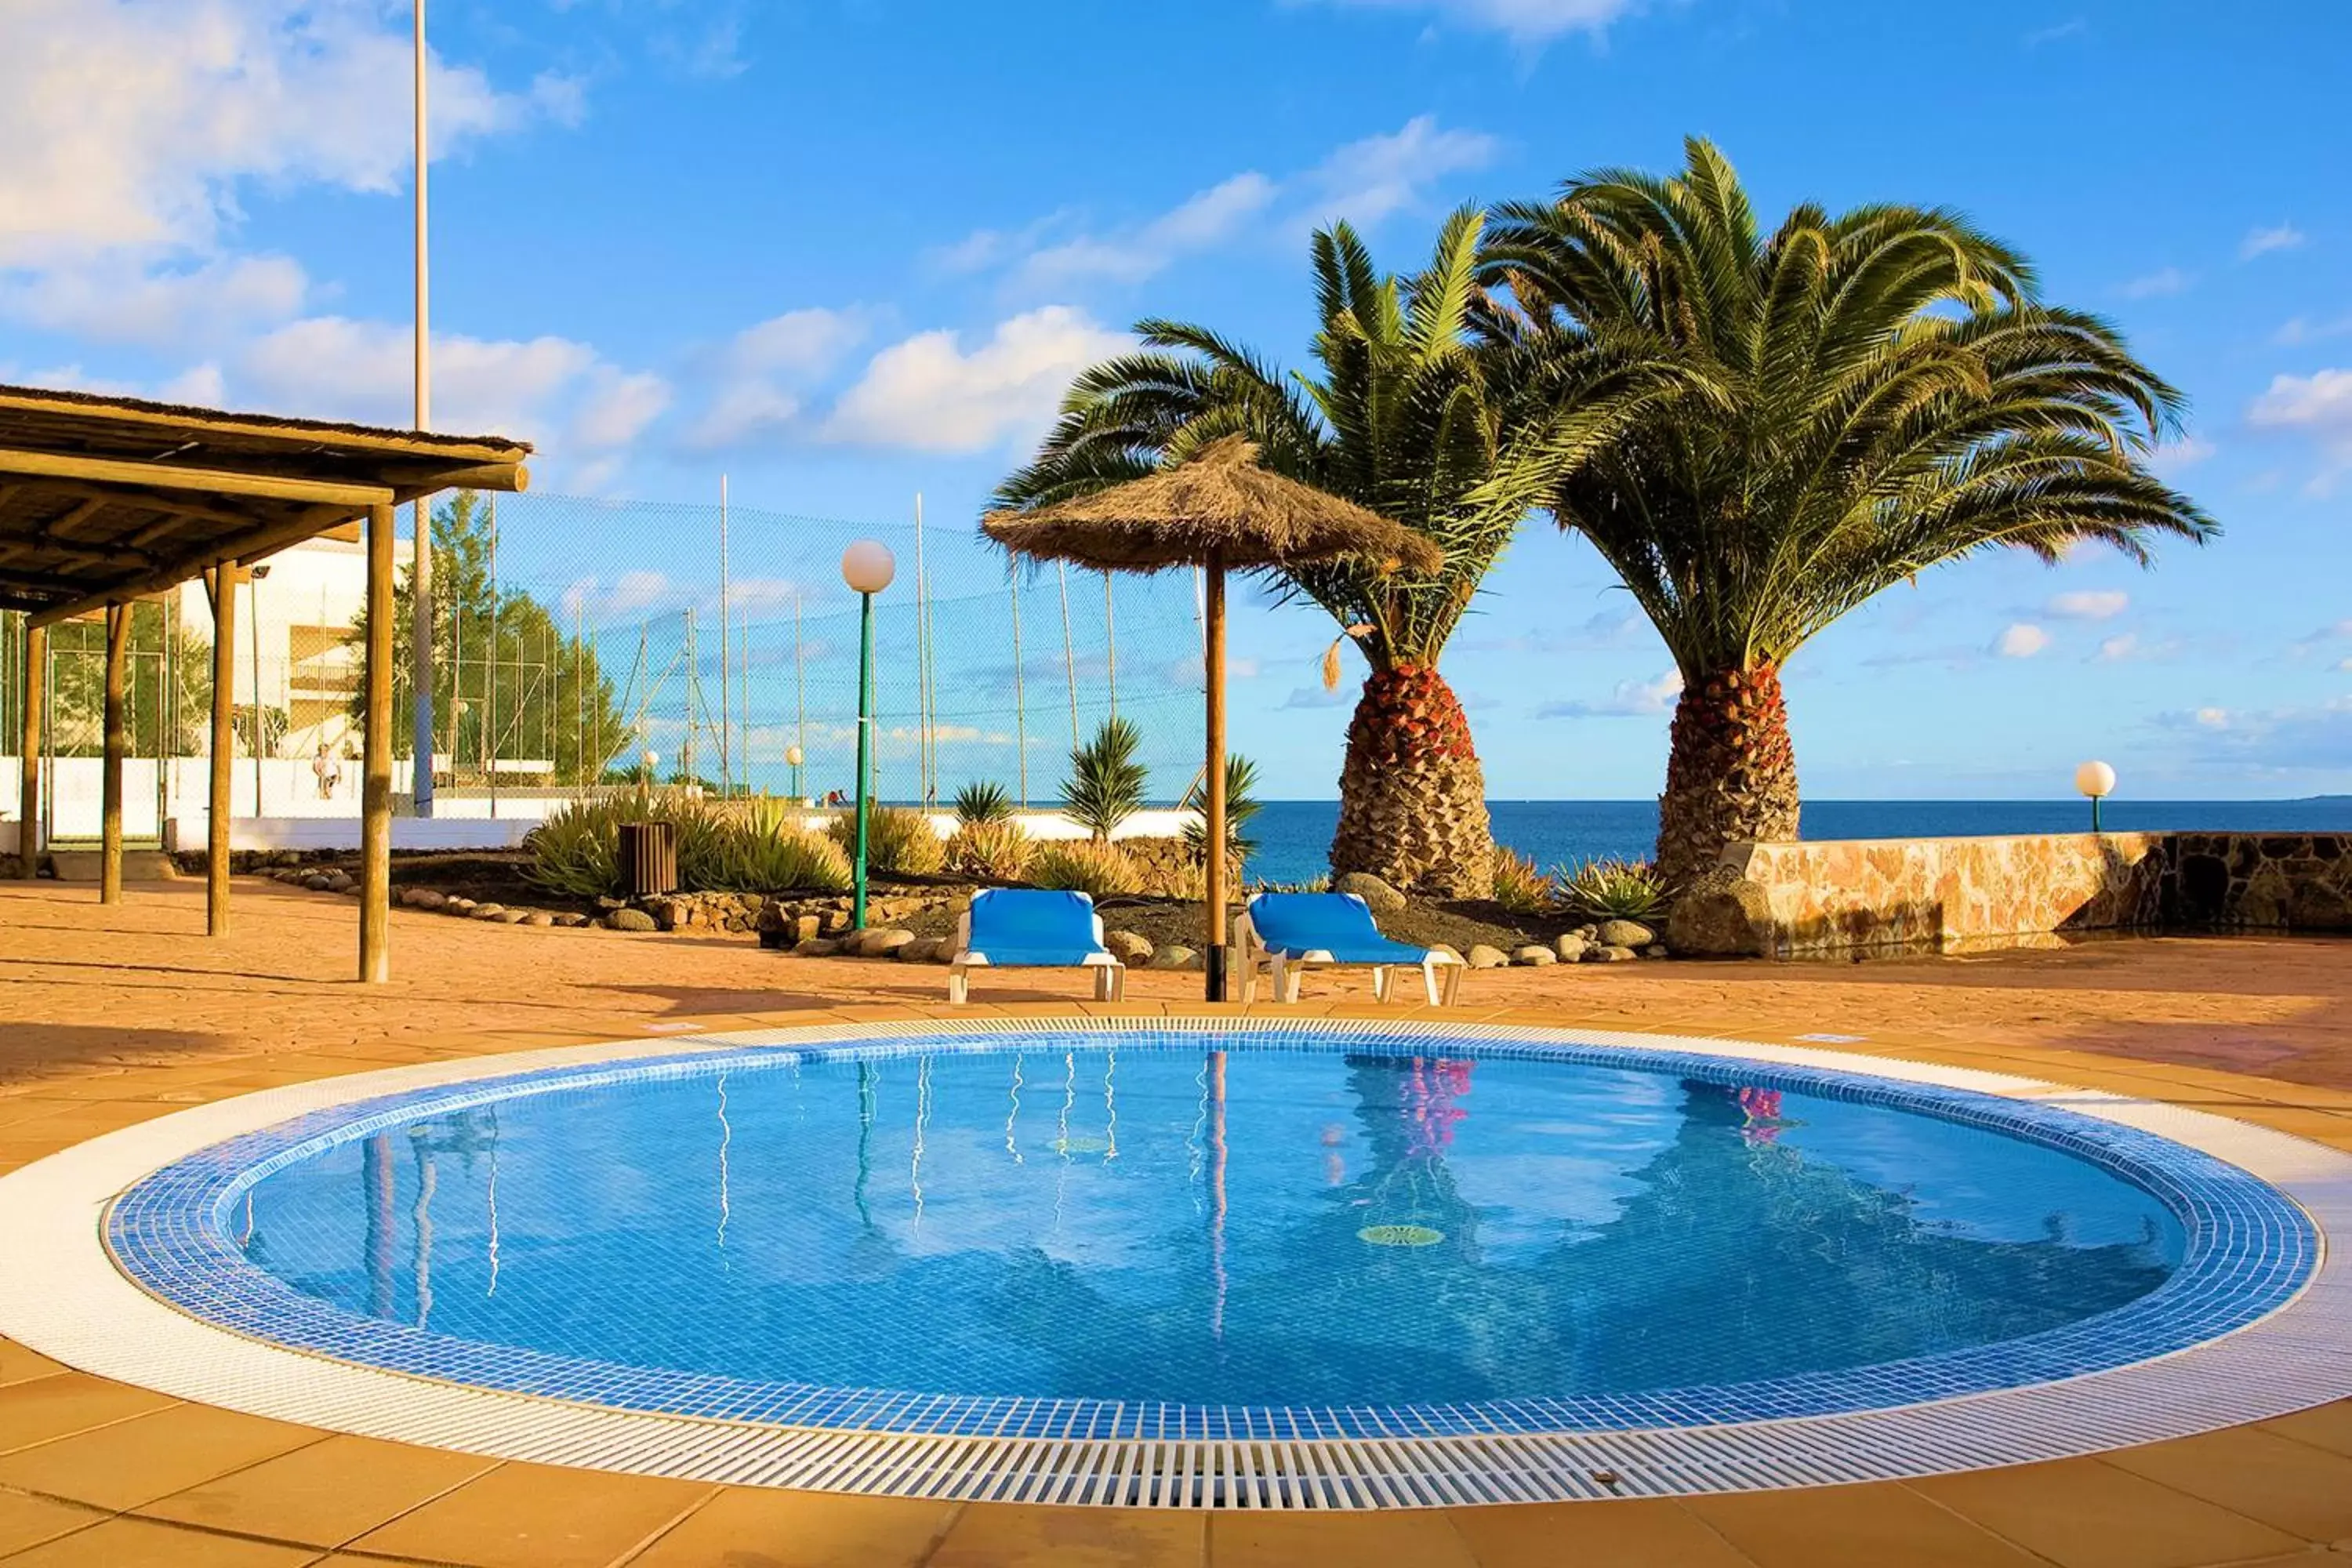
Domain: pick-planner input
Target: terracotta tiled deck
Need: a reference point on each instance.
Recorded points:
(108, 1017)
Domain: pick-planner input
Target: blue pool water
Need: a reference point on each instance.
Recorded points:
(1165, 1222)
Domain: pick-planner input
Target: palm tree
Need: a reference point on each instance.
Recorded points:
(1406, 416)
(1863, 395)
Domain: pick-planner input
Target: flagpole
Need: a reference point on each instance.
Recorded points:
(420, 575)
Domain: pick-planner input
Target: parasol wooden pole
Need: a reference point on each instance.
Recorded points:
(221, 580)
(116, 742)
(28, 754)
(1214, 955)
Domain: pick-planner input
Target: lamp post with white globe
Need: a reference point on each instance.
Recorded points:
(2097, 780)
(793, 756)
(867, 567)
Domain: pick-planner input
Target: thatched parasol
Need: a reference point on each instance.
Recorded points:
(1218, 510)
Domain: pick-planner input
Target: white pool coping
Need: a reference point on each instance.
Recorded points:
(61, 1295)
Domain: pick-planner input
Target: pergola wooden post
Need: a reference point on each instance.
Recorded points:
(220, 583)
(28, 754)
(109, 821)
(376, 790)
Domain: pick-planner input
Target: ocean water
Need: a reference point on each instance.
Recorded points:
(1158, 1221)
(1294, 837)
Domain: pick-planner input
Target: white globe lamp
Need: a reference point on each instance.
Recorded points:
(2096, 781)
(868, 566)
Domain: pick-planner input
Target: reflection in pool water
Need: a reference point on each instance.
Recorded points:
(1198, 1226)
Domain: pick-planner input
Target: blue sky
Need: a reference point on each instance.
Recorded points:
(850, 250)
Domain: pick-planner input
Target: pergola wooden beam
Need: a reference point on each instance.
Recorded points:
(247, 548)
(174, 477)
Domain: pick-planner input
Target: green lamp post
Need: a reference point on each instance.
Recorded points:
(867, 567)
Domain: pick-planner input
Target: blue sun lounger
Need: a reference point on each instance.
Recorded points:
(1023, 927)
(1287, 931)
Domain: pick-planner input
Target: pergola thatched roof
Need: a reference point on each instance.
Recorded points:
(111, 498)
(1219, 502)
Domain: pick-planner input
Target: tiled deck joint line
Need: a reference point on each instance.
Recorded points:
(80, 1310)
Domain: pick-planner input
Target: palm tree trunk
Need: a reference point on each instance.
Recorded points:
(1731, 775)
(1413, 799)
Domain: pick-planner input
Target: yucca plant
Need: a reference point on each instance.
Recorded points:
(1520, 887)
(983, 800)
(990, 851)
(1241, 804)
(1106, 782)
(1848, 400)
(898, 839)
(1610, 890)
(1088, 866)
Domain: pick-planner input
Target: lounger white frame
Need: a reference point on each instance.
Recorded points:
(1111, 975)
(1286, 973)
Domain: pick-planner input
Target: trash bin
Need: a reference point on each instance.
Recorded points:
(649, 858)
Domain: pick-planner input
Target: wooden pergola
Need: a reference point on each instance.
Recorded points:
(105, 500)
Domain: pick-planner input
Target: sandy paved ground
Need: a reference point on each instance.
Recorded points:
(81, 986)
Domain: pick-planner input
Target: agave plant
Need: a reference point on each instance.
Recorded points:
(1854, 397)
(1413, 402)
(1519, 888)
(1610, 890)
(1106, 782)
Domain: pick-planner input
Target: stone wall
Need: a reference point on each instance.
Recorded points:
(1947, 894)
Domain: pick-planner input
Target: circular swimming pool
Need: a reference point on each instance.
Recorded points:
(1196, 1233)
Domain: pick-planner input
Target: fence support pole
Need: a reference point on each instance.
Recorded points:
(221, 583)
(28, 754)
(375, 767)
(110, 820)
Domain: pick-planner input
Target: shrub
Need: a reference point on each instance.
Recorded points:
(1611, 889)
(898, 839)
(982, 801)
(576, 851)
(1084, 866)
(990, 851)
(1520, 887)
(1106, 782)
(760, 851)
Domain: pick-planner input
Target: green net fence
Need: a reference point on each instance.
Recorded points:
(573, 636)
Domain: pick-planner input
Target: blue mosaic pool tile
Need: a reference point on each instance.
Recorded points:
(2248, 1251)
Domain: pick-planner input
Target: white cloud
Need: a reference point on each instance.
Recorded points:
(2213, 717)
(554, 391)
(2022, 640)
(135, 123)
(1524, 21)
(2304, 330)
(1363, 182)
(2318, 406)
(2262, 241)
(1628, 699)
(618, 406)
(119, 300)
(2171, 457)
(1366, 181)
(2154, 285)
(2090, 603)
(926, 393)
(1207, 218)
(2072, 28)
(757, 373)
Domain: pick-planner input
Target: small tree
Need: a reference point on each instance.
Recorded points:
(1106, 782)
